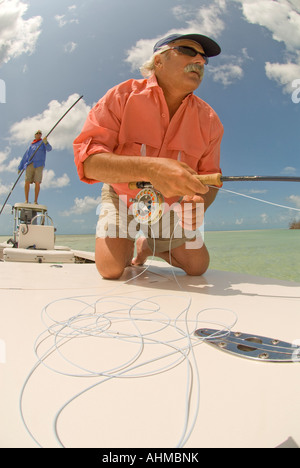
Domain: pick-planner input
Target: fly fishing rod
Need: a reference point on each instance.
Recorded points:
(31, 158)
(218, 179)
(147, 206)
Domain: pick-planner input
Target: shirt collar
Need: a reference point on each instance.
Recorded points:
(152, 83)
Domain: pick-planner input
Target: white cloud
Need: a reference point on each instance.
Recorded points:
(141, 52)
(17, 36)
(13, 165)
(50, 180)
(289, 170)
(7, 210)
(232, 69)
(82, 206)
(5, 164)
(295, 199)
(4, 155)
(227, 73)
(257, 191)
(284, 73)
(4, 189)
(70, 47)
(208, 20)
(64, 134)
(282, 19)
(205, 20)
(264, 218)
(62, 20)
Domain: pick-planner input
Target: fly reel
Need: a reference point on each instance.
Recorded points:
(147, 207)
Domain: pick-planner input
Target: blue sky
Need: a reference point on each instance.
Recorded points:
(51, 52)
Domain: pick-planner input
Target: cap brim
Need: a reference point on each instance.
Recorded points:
(210, 47)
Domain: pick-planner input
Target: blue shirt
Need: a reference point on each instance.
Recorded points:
(39, 158)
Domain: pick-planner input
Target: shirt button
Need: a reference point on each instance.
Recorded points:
(163, 115)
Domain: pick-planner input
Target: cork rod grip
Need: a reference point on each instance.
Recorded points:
(133, 185)
(210, 179)
(206, 179)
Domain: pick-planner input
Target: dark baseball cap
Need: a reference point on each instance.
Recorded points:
(210, 47)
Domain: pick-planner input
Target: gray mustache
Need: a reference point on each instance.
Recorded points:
(195, 67)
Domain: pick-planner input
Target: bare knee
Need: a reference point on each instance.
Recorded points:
(196, 270)
(197, 264)
(112, 256)
(199, 267)
(113, 272)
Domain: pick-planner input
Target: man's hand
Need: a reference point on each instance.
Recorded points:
(190, 212)
(170, 177)
(45, 140)
(173, 178)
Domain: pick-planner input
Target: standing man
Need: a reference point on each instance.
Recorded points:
(34, 167)
(153, 130)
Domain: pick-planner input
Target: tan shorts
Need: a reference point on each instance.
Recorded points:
(34, 174)
(116, 221)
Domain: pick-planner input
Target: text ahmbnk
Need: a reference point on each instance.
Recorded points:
(175, 457)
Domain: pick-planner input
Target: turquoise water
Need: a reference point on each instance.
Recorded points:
(269, 253)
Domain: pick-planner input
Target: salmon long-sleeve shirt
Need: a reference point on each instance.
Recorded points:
(133, 119)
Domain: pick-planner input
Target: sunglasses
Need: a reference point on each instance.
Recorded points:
(185, 50)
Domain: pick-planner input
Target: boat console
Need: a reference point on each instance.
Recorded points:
(34, 238)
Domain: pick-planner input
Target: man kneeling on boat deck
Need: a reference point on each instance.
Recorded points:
(156, 130)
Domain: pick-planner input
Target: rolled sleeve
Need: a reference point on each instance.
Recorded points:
(99, 135)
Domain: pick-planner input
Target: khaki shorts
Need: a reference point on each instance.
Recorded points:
(34, 174)
(115, 221)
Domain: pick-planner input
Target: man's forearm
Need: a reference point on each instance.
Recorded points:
(114, 169)
(168, 176)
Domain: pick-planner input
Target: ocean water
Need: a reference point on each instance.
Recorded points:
(267, 253)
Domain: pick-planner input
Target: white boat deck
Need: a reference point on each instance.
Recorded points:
(96, 363)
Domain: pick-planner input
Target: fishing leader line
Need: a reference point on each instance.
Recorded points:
(61, 335)
(102, 328)
(185, 352)
(254, 198)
